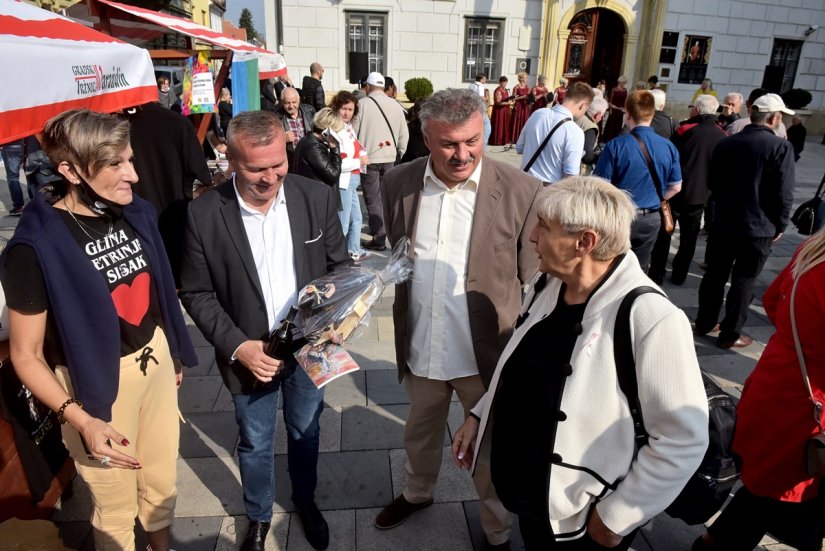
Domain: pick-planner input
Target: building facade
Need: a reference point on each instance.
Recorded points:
(739, 45)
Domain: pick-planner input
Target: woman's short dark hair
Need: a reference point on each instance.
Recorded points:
(341, 99)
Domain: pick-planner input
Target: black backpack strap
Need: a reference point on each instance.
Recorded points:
(544, 144)
(625, 363)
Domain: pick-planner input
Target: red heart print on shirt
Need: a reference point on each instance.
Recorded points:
(132, 301)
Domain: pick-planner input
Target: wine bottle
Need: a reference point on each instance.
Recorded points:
(283, 342)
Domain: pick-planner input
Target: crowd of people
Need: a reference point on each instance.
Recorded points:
(520, 276)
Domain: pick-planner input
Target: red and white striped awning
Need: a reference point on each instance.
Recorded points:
(52, 64)
(270, 64)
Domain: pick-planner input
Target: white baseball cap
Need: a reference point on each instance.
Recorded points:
(771, 103)
(376, 79)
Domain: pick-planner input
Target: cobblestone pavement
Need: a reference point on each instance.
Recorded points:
(361, 466)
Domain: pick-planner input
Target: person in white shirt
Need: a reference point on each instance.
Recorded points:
(479, 88)
(551, 143)
(468, 219)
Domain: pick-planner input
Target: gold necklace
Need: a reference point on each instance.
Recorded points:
(83, 226)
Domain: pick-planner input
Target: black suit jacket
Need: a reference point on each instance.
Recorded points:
(221, 290)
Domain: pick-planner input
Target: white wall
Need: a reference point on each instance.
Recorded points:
(425, 38)
(743, 35)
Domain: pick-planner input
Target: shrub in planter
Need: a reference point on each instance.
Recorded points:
(797, 98)
(418, 88)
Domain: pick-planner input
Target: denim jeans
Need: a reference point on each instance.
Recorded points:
(13, 161)
(351, 214)
(256, 415)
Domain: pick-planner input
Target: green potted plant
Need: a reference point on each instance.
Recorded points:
(417, 88)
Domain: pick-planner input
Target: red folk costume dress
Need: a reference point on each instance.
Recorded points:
(540, 93)
(775, 415)
(521, 111)
(559, 94)
(501, 118)
(615, 121)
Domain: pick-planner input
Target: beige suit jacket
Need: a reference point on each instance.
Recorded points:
(501, 258)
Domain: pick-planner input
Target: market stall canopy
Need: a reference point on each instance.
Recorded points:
(52, 64)
(270, 64)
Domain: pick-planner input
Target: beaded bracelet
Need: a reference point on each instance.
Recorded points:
(60, 418)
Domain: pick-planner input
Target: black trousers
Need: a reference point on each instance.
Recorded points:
(538, 536)
(643, 236)
(689, 218)
(741, 259)
(371, 184)
(748, 517)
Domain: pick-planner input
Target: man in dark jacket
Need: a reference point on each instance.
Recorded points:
(751, 183)
(312, 92)
(168, 159)
(296, 119)
(695, 139)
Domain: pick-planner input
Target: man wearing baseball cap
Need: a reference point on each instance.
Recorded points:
(751, 184)
(381, 128)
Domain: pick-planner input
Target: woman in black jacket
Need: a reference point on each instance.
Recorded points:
(317, 155)
(225, 109)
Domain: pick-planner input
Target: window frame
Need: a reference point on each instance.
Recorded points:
(376, 61)
(779, 52)
(492, 68)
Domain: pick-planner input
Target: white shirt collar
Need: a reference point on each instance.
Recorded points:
(280, 199)
(471, 183)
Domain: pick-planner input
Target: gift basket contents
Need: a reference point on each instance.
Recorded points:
(333, 308)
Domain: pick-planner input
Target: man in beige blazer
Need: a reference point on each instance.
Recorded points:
(468, 220)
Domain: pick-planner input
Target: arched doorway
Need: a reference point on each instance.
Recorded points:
(594, 47)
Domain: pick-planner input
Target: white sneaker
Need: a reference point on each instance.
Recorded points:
(358, 257)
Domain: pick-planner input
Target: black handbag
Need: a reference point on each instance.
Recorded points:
(804, 217)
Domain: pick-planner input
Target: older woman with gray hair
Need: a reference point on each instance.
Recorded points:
(591, 124)
(581, 482)
(317, 154)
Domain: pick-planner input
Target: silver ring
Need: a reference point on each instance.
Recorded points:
(105, 460)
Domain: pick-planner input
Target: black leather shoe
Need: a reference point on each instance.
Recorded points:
(315, 527)
(255, 536)
(375, 244)
(397, 512)
(741, 342)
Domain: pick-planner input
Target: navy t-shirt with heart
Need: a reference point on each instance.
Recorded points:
(119, 259)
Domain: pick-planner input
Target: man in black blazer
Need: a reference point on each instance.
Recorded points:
(251, 244)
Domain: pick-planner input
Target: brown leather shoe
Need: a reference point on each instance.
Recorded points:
(741, 342)
(397, 512)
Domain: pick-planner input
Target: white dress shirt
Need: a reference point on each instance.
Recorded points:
(270, 238)
(441, 346)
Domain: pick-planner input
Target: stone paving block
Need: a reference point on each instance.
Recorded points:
(453, 484)
(386, 331)
(206, 361)
(347, 390)
(373, 350)
(471, 511)
(373, 427)
(438, 527)
(233, 530)
(730, 369)
(367, 361)
(208, 434)
(330, 432)
(224, 400)
(761, 334)
(346, 480)
(195, 533)
(383, 388)
(341, 532)
(195, 334)
(198, 394)
(208, 487)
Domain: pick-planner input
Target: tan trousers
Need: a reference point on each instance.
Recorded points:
(146, 413)
(424, 442)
